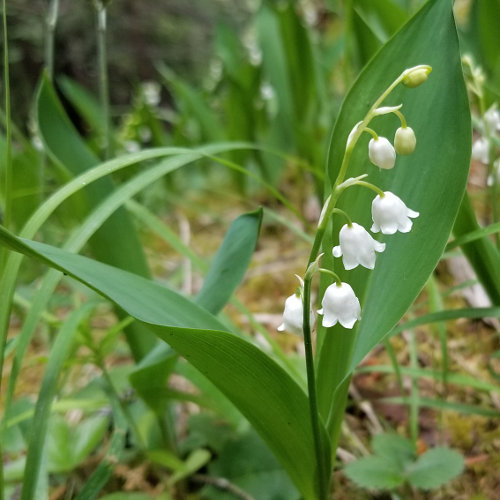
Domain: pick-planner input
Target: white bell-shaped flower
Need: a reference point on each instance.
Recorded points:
(381, 152)
(340, 305)
(481, 150)
(492, 116)
(390, 214)
(293, 315)
(495, 175)
(357, 247)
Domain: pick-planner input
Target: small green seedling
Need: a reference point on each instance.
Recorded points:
(395, 463)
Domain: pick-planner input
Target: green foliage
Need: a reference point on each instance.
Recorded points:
(267, 395)
(441, 158)
(247, 463)
(277, 85)
(395, 462)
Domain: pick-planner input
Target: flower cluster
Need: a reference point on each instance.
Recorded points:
(483, 146)
(357, 247)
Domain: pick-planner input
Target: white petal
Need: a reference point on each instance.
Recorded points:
(350, 263)
(389, 228)
(337, 251)
(328, 323)
(348, 323)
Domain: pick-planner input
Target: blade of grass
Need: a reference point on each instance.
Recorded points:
(7, 190)
(436, 305)
(473, 236)
(458, 379)
(467, 312)
(38, 430)
(104, 470)
(414, 399)
(437, 404)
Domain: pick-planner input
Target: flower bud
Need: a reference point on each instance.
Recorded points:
(413, 77)
(404, 141)
(381, 152)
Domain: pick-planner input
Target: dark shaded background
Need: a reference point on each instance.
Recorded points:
(140, 32)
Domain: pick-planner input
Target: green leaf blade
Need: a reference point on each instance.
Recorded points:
(431, 180)
(261, 389)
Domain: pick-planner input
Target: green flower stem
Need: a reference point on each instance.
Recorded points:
(326, 214)
(313, 397)
(103, 77)
(401, 118)
(341, 212)
(371, 186)
(331, 273)
(371, 132)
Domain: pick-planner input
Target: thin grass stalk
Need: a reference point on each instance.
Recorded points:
(58, 355)
(414, 393)
(395, 365)
(4, 325)
(436, 305)
(103, 77)
(7, 221)
(51, 23)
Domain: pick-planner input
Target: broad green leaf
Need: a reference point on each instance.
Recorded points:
(230, 262)
(86, 104)
(375, 472)
(372, 24)
(431, 181)
(265, 394)
(435, 468)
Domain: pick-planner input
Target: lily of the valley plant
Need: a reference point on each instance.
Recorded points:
(390, 214)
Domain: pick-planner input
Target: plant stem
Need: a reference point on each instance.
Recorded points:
(328, 210)
(103, 77)
(7, 208)
(49, 40)
(311, 387)
(7, 221)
